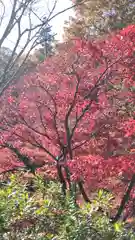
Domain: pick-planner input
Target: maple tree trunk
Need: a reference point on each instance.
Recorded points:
(62, 179)
(80, 184)
(124, 200)
(68, 179)
(82, 190)
(74, 187)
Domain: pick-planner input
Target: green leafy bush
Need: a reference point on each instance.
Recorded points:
(46, 214)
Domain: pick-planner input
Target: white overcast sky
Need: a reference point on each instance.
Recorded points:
(57, 23)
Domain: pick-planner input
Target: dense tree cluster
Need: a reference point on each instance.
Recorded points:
(71, 115)
(98, 17)
(77, 109)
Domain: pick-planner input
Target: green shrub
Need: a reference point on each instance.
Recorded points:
(46, 215)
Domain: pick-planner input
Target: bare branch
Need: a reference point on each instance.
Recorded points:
(19, 9)
(2, 6)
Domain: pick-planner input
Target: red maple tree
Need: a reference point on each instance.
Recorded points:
(75, 110)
